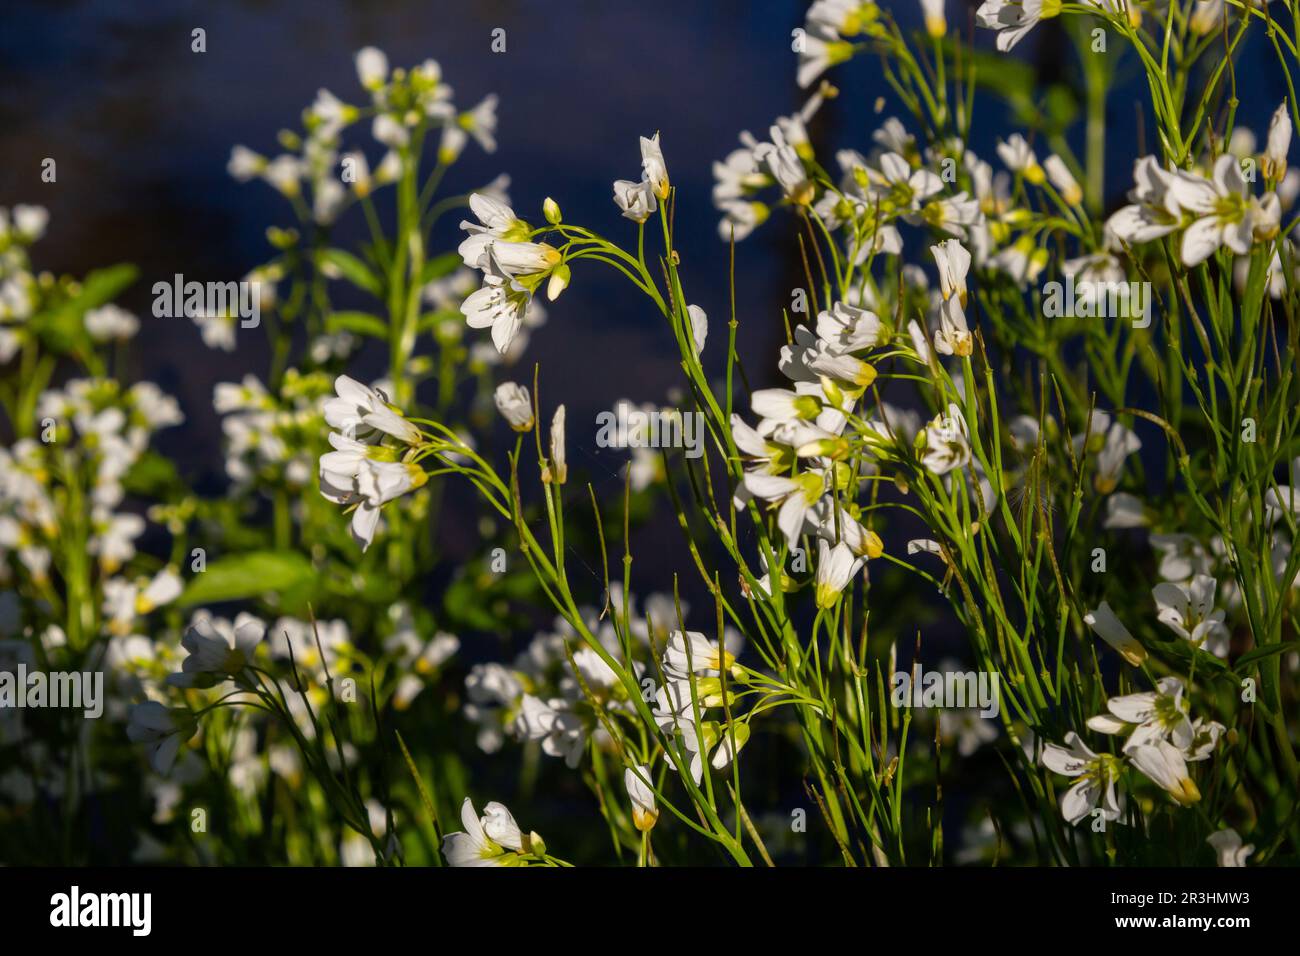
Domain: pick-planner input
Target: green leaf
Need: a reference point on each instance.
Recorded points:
(151, 476)
(352, 269)
(1259, 653)
(248, 575)
(439, 266)
(362, 323)
(62, 328)
(1188, 655)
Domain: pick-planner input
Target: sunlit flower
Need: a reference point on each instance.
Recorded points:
(835, 568)
(557, 469)
(1097, 773)
(515, 405)
(1110, 629)
(1188, 610)
(1279, 143)
(486, 841)
(501, 304)
(946, 442)
(1148, 717)
(645, 812)
(653, 167)
(362, 413)
(1166, 766)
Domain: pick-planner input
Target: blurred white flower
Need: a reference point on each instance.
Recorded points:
(1228, 850)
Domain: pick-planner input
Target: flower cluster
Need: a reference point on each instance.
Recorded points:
(1161, 741)
(371, 461)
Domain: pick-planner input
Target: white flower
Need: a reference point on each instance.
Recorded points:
(1063, 180)
(30, 222)
(1149, 717)
(935, 23)
(824, 360)
(1188, 610)
(1181, 556)
(557, 470)
(361, 412)
(218, 331)
(111, 323)
(796, 496)
(114, 537)
(817, 55)
(900, 184)
(740, 218)
(560, 731)
(486, 841)
(1014, 18)
(525, 258)
(501, 304)
(971, 730)
(946, 444)
(244, 164)
(339, 468)
(700, 740)
(836, 566)
(162, 731)
(635, 200)
(783, 162)
(1205, 737)
(1228, 850)
(513, 402)
(1225, 216)
(480, 122)
(1279, 143)
(165, 587)
(1110, 629)
(283, 174)
(1153, 211)
(953, 336)
(218, 650)
(1125, 511)
(1023, 260)
(1112, 443)
(653, 167)
(496, 220)
(376, 484)
(847, 328)
(1019, 157)
(1207, 16)
(954, 263)
(1166, 766)
(699, 326)
(645, 812)
(1097, 775)
(784, 405)
(372, 68)
(691, 652)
